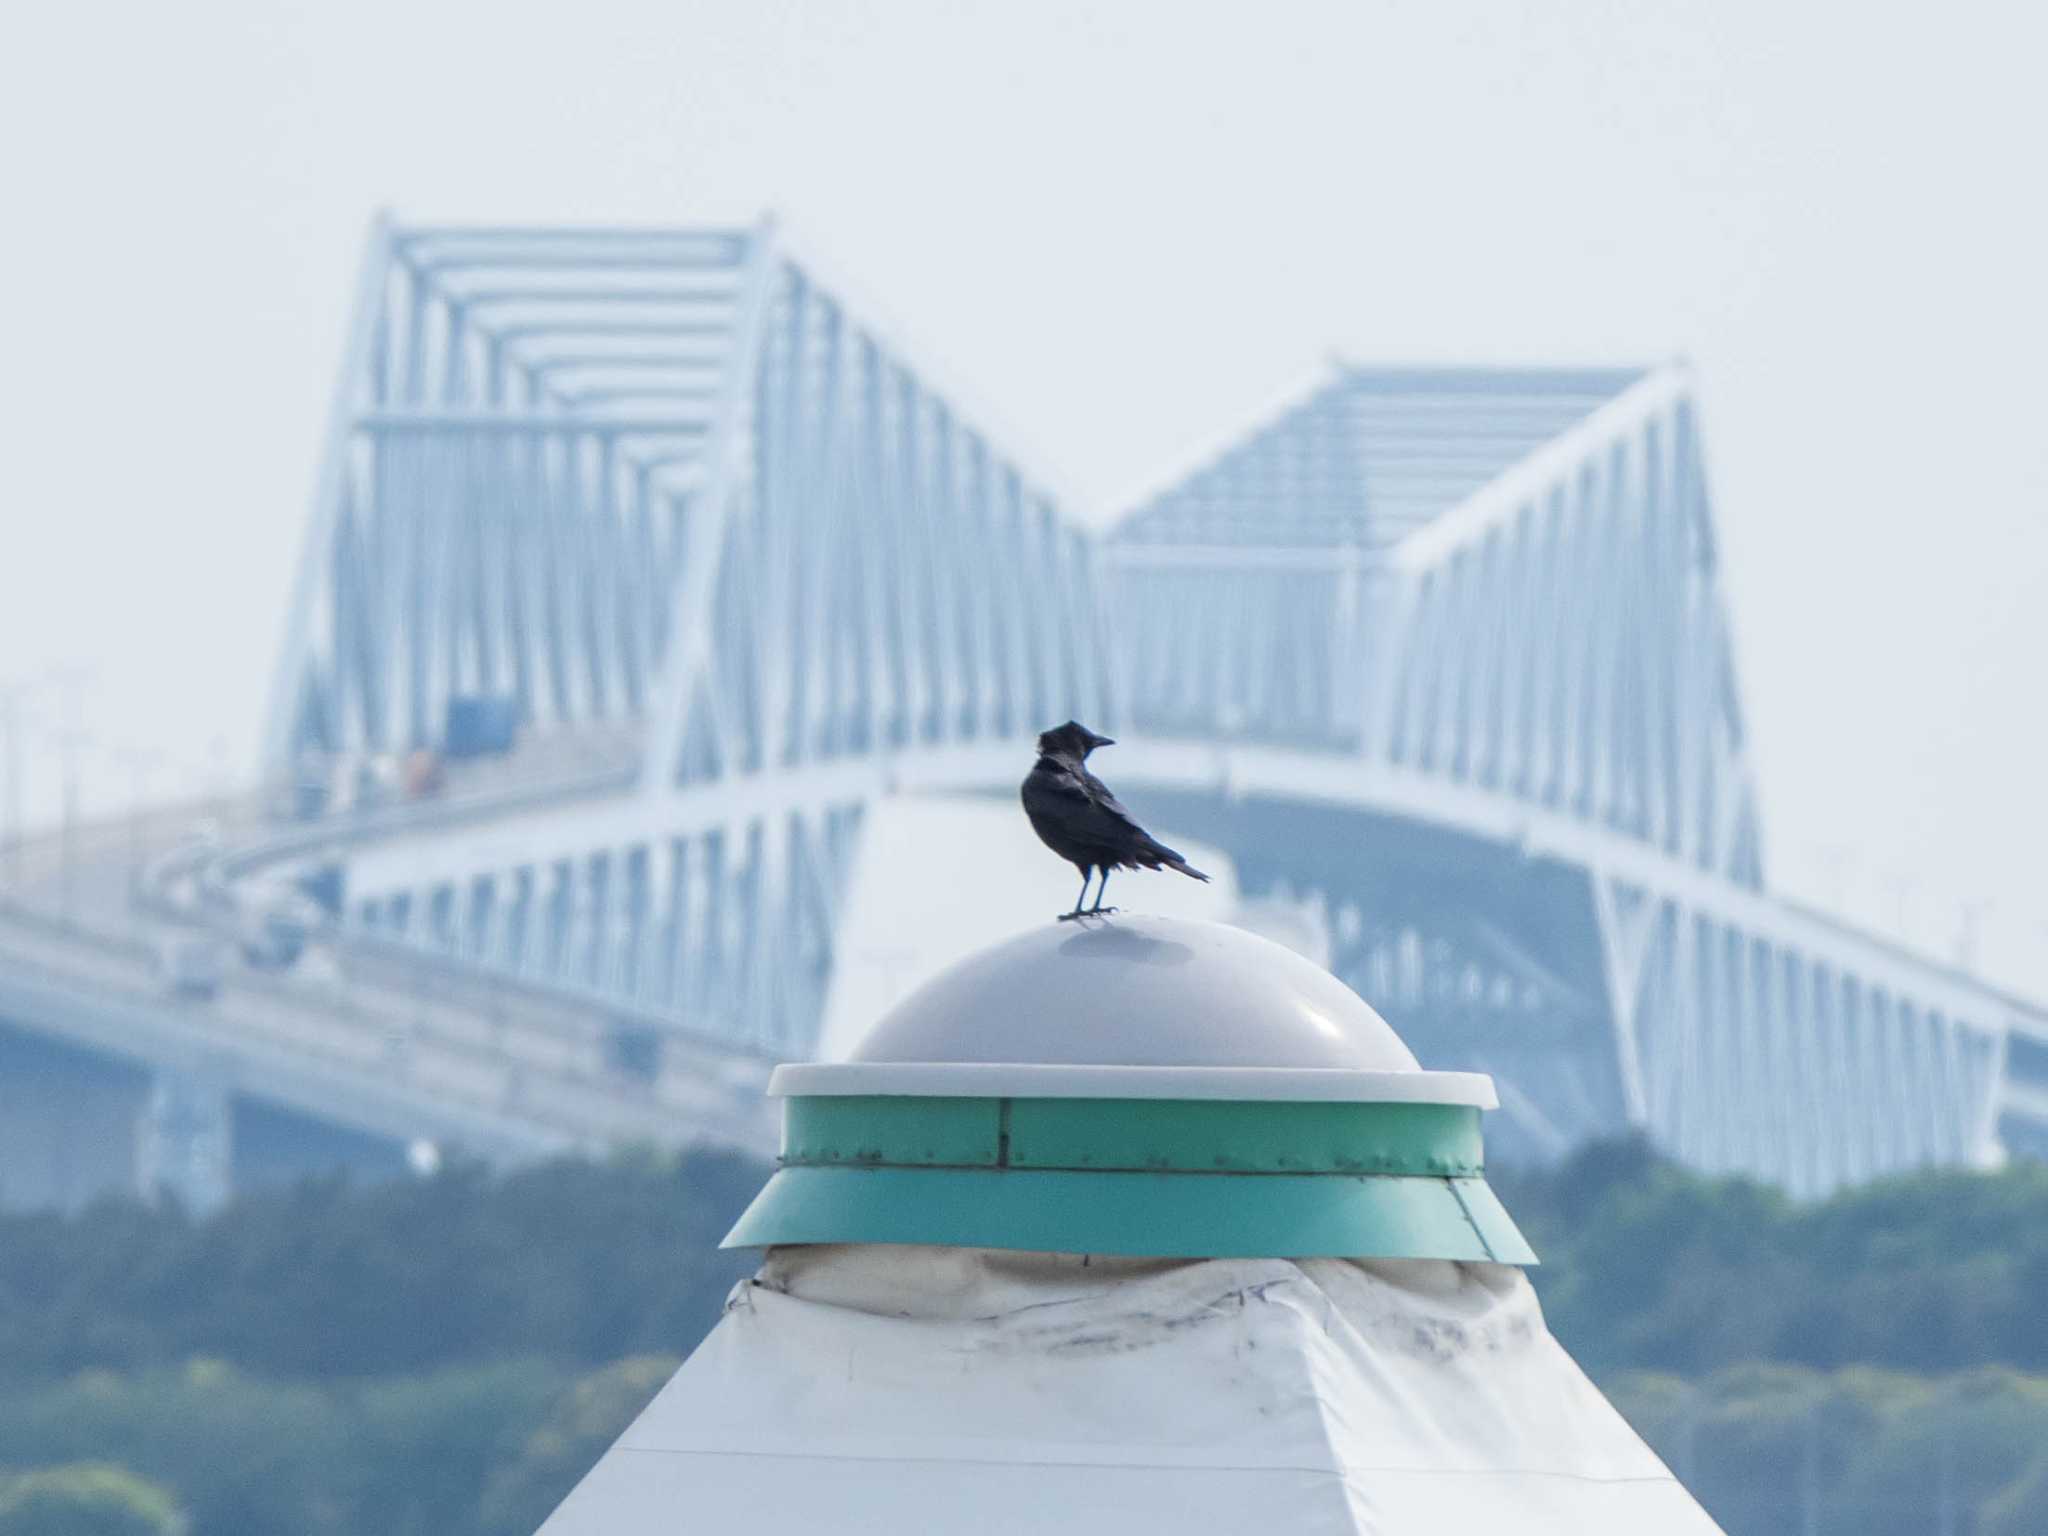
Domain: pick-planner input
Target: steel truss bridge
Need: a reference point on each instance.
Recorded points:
(1441, 656)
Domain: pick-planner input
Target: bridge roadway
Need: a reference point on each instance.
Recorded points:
(490, 836)
(1782, 1067)
(380, 1035)
(362, 1033)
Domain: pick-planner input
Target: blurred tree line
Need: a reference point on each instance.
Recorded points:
(1648, 1267)
(573, 1262)
(1775, 1449)
(448, 1355)
(206, 1449)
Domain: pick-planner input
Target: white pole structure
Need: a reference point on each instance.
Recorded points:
(1137, 1225)
(69, 740)
(141, 764)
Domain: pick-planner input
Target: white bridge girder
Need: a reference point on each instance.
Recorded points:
(663, 484)
(1762, 1038)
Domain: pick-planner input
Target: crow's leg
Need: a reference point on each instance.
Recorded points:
(1101, 891)
(1087, 874)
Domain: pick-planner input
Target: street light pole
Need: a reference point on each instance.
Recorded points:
(72, 680)
(140, 765)
(68, 744)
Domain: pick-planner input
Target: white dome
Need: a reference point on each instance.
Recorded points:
(1138, 992)
(1135, 1008)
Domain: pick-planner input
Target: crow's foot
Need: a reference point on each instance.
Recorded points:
(1101, 911)
(1068, 917)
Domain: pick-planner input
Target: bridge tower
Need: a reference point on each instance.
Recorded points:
(1440, 656)
(718, 546)
(1465, 635)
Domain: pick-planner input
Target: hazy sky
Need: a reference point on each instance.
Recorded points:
(1125, 229)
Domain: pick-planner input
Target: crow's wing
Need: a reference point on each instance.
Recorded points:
(1146, 850)
(1082, 805)
(1099, 793)
(1079, 819)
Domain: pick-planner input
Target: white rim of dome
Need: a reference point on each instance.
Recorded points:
(1031, 1080)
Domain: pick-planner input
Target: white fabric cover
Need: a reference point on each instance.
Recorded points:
(899, 1390)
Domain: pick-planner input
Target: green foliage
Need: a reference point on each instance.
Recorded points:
(87, 1498)
(407, 1456)
(577, 1430)
(1858, 1452)
(411, 1358)
(449, 1356)
(1647, 1267)
(572, 1261)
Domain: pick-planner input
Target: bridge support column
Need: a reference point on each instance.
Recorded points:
(1627, 923)
(184, 1143)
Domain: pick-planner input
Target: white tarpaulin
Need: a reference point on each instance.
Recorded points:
(901, 1390)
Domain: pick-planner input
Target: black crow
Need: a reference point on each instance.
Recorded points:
(1076, 816)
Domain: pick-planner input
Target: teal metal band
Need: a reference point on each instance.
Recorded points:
(1161, 1215)
(870, 1132)
(1180, 1178)
(1136, 1135)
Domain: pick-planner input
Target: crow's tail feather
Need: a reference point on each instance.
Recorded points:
(1158, 855)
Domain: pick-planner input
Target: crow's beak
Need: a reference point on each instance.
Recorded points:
(1100, 741)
